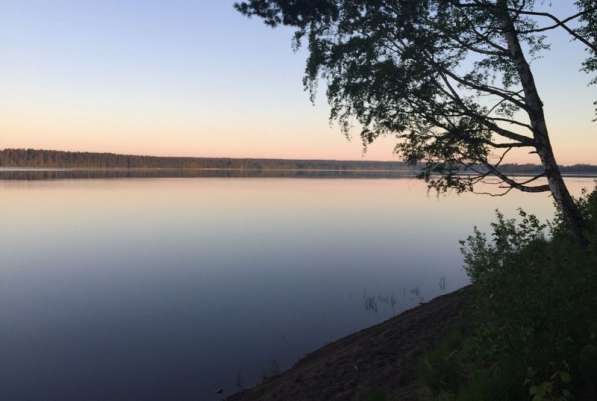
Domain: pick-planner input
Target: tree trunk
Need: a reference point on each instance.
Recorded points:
(570, 212)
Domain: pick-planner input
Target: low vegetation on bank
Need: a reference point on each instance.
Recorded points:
(531, 331)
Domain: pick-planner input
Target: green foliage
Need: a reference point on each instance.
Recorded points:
(588, 29)
(440, 75)
(533, 325)
(373, 395)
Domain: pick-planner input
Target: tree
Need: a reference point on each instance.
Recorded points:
(451, 79)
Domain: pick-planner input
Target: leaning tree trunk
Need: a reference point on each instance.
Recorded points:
(570, 212)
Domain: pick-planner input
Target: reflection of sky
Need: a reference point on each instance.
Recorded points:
(196, 78)
(163, 288)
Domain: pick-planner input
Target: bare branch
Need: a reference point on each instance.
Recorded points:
(513, 183)
(556, 25)
(562, 23)
(509, 121)
(504, 193)
(507, 144)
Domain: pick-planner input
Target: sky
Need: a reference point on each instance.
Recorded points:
(195, 78)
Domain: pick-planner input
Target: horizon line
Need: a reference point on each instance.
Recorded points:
(254, 158)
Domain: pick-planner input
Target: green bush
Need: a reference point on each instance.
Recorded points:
(533, 319)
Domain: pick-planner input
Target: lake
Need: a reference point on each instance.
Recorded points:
(172, 288)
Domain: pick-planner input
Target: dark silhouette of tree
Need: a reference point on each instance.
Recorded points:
(451, 79)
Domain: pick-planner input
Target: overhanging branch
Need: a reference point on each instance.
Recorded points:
(513, 183)
(561, 23)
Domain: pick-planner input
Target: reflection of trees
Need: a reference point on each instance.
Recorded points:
(33, 158)
(164, 173)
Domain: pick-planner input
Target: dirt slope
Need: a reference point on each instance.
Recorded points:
(381, 358)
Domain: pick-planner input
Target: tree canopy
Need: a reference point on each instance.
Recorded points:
(451, 79)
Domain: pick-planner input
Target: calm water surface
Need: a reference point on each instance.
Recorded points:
(171, 288)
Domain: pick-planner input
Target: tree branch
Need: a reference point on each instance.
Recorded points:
(523, 140)
(561, 23)
(556, 25)
(513, 183)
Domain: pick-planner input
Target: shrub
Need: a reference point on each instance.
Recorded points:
(533, 317)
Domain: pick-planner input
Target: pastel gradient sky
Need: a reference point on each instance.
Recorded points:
(195, 78)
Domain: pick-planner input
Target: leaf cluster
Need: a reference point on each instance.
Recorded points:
(439, 75)
(533, 327)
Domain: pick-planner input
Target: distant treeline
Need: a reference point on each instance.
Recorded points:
(60, 174)
(533, 169)
(34, 158)
(60, 159)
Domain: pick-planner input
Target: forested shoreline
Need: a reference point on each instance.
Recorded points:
(38, 158)
(34, 158)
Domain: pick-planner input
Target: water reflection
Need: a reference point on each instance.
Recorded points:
(175, 288)
(56, 174)
(396, 304)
